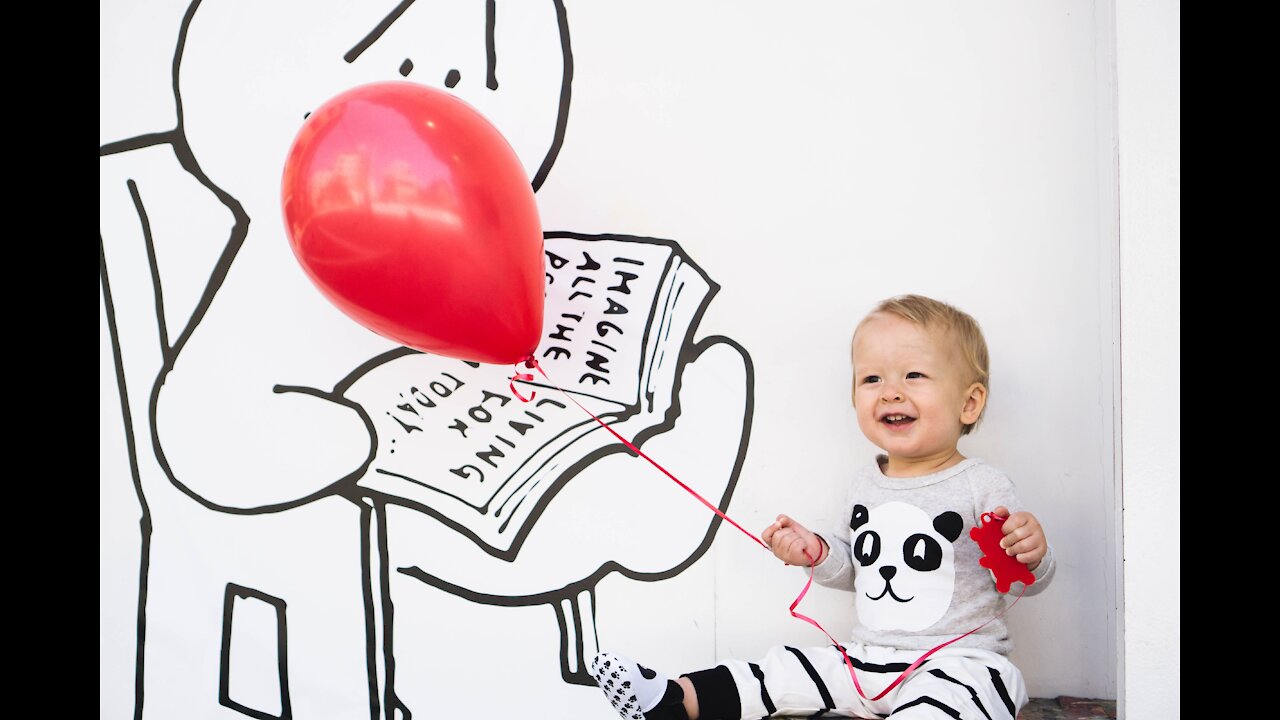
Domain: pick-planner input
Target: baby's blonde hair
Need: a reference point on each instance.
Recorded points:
(954, 322)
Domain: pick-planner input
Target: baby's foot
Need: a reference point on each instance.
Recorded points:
(635, 691)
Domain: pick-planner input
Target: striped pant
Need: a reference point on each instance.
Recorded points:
(960, 683)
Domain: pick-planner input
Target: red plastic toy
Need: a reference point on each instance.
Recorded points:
(1006, 568)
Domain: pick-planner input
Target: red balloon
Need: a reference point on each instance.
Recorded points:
(413, 215)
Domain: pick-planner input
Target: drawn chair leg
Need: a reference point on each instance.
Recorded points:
(384, 703)
(576, 615)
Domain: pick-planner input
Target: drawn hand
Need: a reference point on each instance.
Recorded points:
(652, 527)
(247, 418)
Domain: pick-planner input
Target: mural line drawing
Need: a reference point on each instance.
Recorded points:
(276, 607)
(290, 463)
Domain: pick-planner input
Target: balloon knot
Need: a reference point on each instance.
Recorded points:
(524, 377)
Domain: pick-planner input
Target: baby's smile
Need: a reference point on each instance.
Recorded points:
(897, 420)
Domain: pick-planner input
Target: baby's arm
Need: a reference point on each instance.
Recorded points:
(786, 538)
(994, 492)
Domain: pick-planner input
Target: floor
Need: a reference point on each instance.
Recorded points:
(1067, 708)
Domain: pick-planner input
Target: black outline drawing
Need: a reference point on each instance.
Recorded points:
(282, 650)
(687, 355)
(574, 604)
(131, 445)
(572, 666)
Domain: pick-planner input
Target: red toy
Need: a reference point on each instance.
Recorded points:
(1006, 568)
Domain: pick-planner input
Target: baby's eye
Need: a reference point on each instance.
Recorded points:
(914, 374)
(870, 379)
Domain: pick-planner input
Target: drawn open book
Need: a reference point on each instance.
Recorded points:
(455, 443)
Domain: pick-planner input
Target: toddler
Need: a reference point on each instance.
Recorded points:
(920, 375)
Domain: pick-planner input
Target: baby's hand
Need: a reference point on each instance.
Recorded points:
(789, 540)
(1023, 537)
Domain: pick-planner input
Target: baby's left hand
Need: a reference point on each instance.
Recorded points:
(1023, 537)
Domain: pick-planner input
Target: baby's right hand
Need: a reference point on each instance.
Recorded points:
(789, 541)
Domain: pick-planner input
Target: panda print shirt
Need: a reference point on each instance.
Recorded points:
(903, 547)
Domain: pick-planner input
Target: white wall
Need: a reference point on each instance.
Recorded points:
(1148, 69)
(951, 150)
(813, 159)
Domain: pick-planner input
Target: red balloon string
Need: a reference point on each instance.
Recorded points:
(532, 362)
(903, 676)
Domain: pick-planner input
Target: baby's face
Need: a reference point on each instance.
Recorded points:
(910, 389)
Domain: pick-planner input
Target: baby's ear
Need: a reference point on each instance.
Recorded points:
(975, 400)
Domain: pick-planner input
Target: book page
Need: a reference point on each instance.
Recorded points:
(455, 442)
(601, 297)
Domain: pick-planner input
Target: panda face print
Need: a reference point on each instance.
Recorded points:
(905, 559)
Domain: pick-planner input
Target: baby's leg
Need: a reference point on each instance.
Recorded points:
(977, 685)
(638, 693)
(786, 680)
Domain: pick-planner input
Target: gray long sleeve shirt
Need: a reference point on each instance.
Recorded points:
(903, 547)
